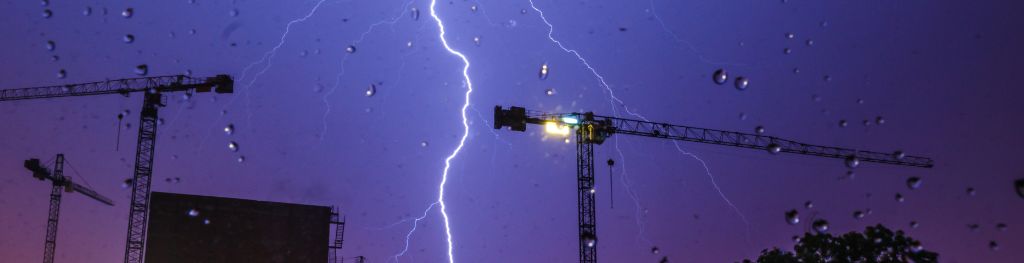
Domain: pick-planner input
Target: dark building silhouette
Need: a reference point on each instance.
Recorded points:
(193, 228)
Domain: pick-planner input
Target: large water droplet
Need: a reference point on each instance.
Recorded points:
(970, 191)
(350, 49)
(414, 13)
(742, 83)
(473, 8)
(241, 159)
(858, 214)
(129, 38)
(47, 13)
(1019, 184)
(809, 42)
(820, 225)
(128, 12)
(852, 162)
(62, 74)
(790, 35)
(543, 71)
(993, 245)
(142, 70)
(549, 92)
(720, 76)
(759, 129)
(899, 197)
(774, 148)
(655, 250)
(792, 217)
(843, 123)
(50, 45)
(588, 239)
(193, 212)
(787, 51)
(879, 120)
(371, 90)
(229, 129)
(914, 224)
(808, 204)
(233, 13)
(233, 146)
(424, 144)
(476, 41)
(87, 11)
(914, 182)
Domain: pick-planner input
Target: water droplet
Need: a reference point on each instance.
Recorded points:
(743, 116)
(193, 212)
(899, 197)
(50, 45)
(1019, 184)
(414, 13)
(914, 182)
(655, 250)
(229, 129)
(522, 11)
(611, 162)
(809, 42)
(350, 49)
(787, 51)
(303, 53)
(827, 78)
(899, 155)
(790, 35)
(408, 44)
(424, 144)
(126, 183)
(1001, 226)
(588, 239)
(774, 148)
(914, 224)
(543, 71)
(372, 89)
(720, 76)
(843, 123)
(796, 70)
(87, 11)
(241, 159)
(858, 214)
(473, 8)
(47, 13)
(206, 221)
(233, 146)
(792, 217)
(233, 13)
(55, 58)
(808, 204)
(973, 227)
(759, 129)
(142, 70)
(742, 83)
(852, 162)
(129, 38)
(476, 41)
(820, 225)
(44, 2)
(993, 245)
(549, 92)
(970, 191)
(128, 12)
(62, 74)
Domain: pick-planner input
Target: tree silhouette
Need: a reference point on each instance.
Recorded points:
(876, 244)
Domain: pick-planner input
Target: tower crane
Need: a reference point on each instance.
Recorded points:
(60, 184)
(153, 89)
(593, 129)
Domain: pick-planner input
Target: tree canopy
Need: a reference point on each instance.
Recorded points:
(876, 244)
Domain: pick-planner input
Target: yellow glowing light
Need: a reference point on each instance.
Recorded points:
(554, 128)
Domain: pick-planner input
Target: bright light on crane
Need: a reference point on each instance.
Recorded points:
(556, 129)
(571, 120)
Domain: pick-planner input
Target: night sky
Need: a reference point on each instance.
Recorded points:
(941, 75)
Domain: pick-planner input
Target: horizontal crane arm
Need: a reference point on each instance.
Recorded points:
(90, 193)
(219, 83)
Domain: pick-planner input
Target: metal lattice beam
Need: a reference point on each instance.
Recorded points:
(141, 181)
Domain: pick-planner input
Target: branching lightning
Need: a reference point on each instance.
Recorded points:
(462, 140)
(615, 101)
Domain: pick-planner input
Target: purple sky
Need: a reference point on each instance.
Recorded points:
(942, 74)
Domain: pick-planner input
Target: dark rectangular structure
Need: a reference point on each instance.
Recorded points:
(193, 228)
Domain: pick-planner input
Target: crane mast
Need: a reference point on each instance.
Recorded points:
(153, 88)
(593, 129)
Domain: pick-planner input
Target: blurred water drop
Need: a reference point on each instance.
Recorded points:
(549, 92)
(55, 58)
(787, 51)
(473, 8)
(743, 116)
(759, 129)
(128, 12)
(303, 53)
(44, 3)
(655, 250)
(522, 11)
(774, 148)
(809, 204)
(87, 11)
(50, 45)
(142, 70)
(129, 38)
(233, 13)
(809, 42)
(820, 226)
(47, 13)
(899, 197)
(720, 76)
(823, 24)
(899, 155)
(973, 227)
(371, 90)
(792, 217)
(414, 13)
(192, 31)
(914, 182)
(858, 214)
(424, 144)
(206, 221)
(408, 44)
(993, 245)
(241, 159)
(543, 71)
(913, 224)
(790, 35)
(843, 123)
(233, 146)
(476, 41)
(62, 74)
(1001, 226)
(1019, 184)
(827, 78)
(350, 49)
(852, 162)
(193, 212)
(970, 191)
(229, 129)
(742, 83)
(126, 183)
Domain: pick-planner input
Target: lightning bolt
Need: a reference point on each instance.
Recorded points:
(615, 101)
(462, 141)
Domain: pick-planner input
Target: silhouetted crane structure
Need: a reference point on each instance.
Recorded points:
(334, 254)
(592, 129)
(61, 184)
(153, 89)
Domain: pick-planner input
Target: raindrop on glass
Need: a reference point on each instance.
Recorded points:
(809, 204)
(655, 250)
(852, 162)
(993, 245)
(233, 146)
(792, 217)
(796, 70)
(914, 224)
(241, 159)
(350, 49)
(1001, 226)
(543, 71)
(759, 129)
(843, 123)
(820, 226)
(476, 41)
(47, 13)
(408, 44)
(774, 148)
(899, 155)
(879, 120)
(87, 11)
(128, 12)
(1019, 184)
(62, 74)
(742, 83)
(414, 13)
(129, 38)
(899, 197)
(371, 90)
(827, 78)
(790, 35)
(787, 51)
(549, 92)
(522, 11)
(234, 13)
(473, 8)
(141, 70)
(970, 191)
(193, 212)
(50, 45)
(858, 214)
(206, 221)
(914, 182)
(229, 129)
(720, 77)
(809, 42)
(424, 144)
